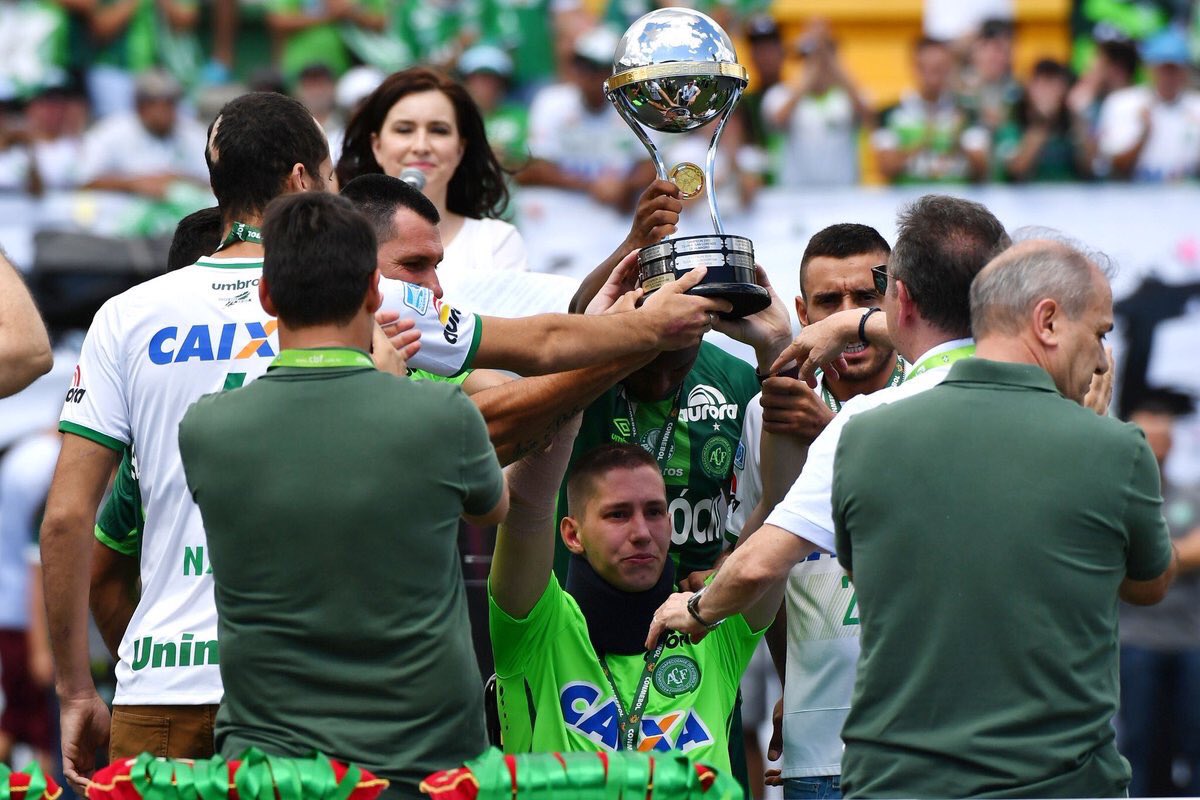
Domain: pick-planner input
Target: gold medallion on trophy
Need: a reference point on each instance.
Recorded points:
(689, 178)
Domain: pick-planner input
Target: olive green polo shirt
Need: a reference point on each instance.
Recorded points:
(988, 523)
(331, 497)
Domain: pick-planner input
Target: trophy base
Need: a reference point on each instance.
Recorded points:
(730, 263)
(747, 299)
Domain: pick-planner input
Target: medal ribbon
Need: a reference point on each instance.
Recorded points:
(627, 722)
(835, 405)
(943, 359)
(241, 232)
(668, 429)
(323, 357)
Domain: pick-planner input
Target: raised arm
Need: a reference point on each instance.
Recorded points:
(524, 415)
(524, 556)
(24, 344)
(655, 218)
(820, 345)
(668, 320)
(107, 21)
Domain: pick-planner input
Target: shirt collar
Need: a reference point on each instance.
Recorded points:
(322, 358)
(1008, 373)
(225, 262)
(937, 350)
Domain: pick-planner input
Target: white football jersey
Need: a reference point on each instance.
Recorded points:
(822, 630)
(151, 352)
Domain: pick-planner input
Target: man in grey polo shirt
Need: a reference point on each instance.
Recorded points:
(989, 548)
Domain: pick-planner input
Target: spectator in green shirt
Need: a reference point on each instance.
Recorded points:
(1044, 141)
(132, 36)
(313, 30)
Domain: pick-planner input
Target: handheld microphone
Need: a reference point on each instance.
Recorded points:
(413, 177)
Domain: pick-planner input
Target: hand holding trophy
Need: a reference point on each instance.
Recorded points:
(675, 70)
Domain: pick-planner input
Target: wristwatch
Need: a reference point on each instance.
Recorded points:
(693, 607)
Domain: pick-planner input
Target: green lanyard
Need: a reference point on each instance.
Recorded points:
(943, 359)
(323, 357)
(835, 405)
(241, 232)
(627, 722)
(668, 429)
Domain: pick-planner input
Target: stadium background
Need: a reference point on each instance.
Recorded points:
(79, 247)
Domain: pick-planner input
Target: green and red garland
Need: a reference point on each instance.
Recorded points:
(623, 775)
(254, 776)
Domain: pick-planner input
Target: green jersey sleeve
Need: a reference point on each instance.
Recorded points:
(735, 646)
(121, 521)
(516, 641)
(449, 336)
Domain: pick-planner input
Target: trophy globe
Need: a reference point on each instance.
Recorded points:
(674, 71)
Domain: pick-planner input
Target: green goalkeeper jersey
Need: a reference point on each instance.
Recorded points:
(554, 695)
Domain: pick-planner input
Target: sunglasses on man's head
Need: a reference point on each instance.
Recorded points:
(880, 276)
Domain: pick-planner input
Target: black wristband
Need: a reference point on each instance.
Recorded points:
(862, 324)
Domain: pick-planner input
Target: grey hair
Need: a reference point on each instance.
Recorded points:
(1106, 264)
(1038, 268)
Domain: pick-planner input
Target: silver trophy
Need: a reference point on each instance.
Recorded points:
(674, 71)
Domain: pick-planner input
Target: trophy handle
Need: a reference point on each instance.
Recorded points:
(710, 162)
(627, 114)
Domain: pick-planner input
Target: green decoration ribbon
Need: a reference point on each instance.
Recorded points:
(491, 773)
(582, 776)
(37, 781)
(675, 779)
(635, 782)
(585, 774)
(259, 777)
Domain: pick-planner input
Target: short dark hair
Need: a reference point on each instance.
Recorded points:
(925, 42)
(377, 197)
(942, 244)
(596, 463)
(477, 189)
(1023, 111)
(253, 144)
(842, 240)
(1121, 52)
(996, 28)
(1050, 68)
(1162, 401)
(197, 235)
(320, 256)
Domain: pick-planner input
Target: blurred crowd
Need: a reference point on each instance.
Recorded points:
(115, 94)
